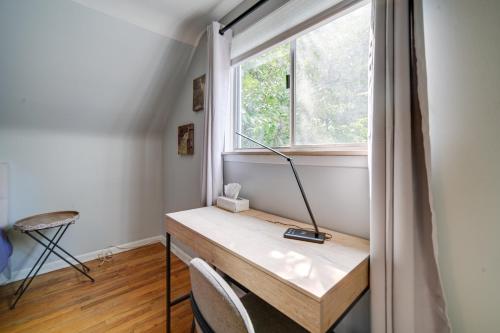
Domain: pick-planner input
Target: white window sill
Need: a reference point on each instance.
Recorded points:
(351, 160)
(338, 151)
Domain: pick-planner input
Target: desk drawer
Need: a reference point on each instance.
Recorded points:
(298, 306)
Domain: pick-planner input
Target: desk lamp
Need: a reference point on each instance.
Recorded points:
(300, 234)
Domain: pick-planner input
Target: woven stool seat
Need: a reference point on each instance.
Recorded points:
(47, 220)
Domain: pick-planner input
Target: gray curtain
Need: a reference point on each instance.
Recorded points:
(406, 290)
(216, 111)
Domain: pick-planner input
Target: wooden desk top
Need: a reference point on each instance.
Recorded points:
(313, 270)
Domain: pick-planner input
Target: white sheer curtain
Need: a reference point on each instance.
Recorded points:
(217, 111)
(406, 291)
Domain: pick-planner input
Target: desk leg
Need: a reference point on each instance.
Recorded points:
(167, 248)
(178, 300)
(349, 308)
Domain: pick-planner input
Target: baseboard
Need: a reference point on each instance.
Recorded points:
(58, 264)
(179, 253)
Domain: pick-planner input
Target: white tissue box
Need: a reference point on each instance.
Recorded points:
(233, 205)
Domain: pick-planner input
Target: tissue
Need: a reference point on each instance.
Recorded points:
(232, 190)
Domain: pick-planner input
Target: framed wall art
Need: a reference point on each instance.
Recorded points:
(185, 139)
(199, 93)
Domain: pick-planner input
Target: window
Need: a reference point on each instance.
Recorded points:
(310, 91)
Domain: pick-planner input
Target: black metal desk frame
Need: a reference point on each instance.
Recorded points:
(50, 248)
(185, 297)
(168, 291)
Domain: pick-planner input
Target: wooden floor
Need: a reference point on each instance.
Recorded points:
(128, 296)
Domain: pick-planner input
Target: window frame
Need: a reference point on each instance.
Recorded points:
(293, 149)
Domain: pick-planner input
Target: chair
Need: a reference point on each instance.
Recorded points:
(217, 308)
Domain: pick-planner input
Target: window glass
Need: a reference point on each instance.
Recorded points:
(265, 98)
(332, 82)
(328, 71)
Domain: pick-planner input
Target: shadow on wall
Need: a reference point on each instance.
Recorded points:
(69, 68)
(84, 100)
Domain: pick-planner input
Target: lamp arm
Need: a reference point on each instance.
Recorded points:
(295, 173)
(304, 196)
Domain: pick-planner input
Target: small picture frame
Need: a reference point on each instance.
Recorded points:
(199, 93)
(185, 139)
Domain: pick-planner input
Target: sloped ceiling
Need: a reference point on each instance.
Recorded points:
(67, 67)
(182, 20)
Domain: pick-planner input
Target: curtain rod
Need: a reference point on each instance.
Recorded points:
(242, 16)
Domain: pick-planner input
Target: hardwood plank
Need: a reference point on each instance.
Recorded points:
(128, 296)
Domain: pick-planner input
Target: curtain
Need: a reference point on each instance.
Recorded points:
(217, 111)
(406, 290)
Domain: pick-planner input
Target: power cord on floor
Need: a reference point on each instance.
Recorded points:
(107, 254)
(104, 257)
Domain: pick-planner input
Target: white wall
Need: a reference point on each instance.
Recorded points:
(65, 66)
(463, 65)
(183, 172)
(336, 187)
(83, 103)
(113, 181)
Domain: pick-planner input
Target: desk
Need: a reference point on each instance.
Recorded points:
(313, 284)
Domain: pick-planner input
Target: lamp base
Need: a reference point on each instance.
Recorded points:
(305, 235)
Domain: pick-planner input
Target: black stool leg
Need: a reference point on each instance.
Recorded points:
(83, 271)
(66, 252)
(36, 263)
(57, 238)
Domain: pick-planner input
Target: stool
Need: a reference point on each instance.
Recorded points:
(33, 225)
